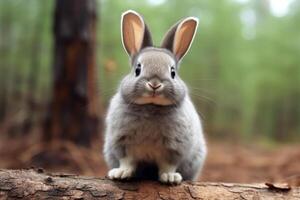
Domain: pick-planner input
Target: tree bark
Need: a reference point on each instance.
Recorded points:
(36, 184)
(73, 112)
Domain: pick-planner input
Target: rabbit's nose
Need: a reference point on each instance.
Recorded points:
(154, 86)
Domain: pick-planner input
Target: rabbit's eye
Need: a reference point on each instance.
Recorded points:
(138, 69)
(173, 73)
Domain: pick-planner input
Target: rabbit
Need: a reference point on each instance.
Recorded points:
(151, 122)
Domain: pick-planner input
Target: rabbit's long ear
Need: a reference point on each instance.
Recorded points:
(180, 37)
(135, 34)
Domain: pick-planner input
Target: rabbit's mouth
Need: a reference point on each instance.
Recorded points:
(153, 98)
(154, 94)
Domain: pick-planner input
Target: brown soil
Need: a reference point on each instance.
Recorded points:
(241, 163)
(226, 162)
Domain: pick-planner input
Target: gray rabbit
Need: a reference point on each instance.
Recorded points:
(151, 124)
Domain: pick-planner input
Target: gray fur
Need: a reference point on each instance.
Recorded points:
(167, 42)
(152, 133)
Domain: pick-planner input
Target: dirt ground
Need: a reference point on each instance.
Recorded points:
(226, 162)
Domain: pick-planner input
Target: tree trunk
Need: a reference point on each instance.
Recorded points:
(36, 184)
(73, 111)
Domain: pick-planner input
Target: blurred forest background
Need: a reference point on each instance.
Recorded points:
(243, 71)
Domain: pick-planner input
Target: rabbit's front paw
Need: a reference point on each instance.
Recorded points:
(170, 178)
(120, 173)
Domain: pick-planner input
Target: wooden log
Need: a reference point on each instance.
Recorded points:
(36, 184)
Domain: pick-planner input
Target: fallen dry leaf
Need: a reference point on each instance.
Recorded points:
(282, 187)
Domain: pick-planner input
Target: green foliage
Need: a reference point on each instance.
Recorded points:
(25, 41)
(243, 68)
